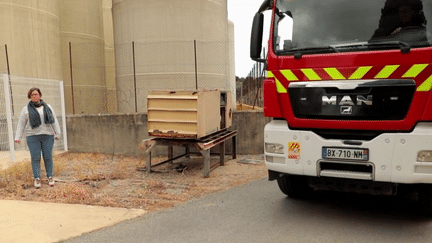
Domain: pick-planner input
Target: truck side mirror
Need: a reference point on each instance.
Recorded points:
(256, 37)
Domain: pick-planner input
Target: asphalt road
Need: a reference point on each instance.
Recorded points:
(259, 212)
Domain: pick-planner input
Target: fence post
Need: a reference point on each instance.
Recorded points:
(7, 59)
(8, 72)
(71, 78)
(196, 70)
(9, 115)
(63, 111)
(134, 75)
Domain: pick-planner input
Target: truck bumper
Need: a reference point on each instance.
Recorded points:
(392, 156)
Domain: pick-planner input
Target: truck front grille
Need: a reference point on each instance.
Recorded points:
(349, 100)
(342, 169)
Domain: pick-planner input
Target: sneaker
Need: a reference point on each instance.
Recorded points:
(51, 181)
(37, 183)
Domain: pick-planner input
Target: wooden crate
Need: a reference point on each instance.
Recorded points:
(183, 113)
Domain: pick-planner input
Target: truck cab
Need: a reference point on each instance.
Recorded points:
(348, 87)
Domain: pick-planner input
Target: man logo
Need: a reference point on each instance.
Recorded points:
(347, 100)
(346, 110)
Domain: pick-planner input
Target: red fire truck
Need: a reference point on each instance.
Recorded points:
(349, 89)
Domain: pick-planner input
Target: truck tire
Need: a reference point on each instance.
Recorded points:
(294, 186)
(425, 199)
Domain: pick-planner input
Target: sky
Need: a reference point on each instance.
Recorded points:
(241, 13)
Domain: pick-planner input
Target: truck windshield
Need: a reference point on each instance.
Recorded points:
(316, 26)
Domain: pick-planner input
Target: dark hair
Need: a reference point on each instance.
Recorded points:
(31, 91)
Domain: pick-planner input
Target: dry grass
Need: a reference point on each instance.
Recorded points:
(106, 180)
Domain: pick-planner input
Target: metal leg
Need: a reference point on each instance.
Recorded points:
(222, 154)
(170, 153)
(234, 147)
(187, 151)
(148, 163)
(206, 169)
(148, 145)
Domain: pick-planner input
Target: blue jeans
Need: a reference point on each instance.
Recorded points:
(44, 144)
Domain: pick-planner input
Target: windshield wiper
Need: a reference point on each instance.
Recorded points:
(404, 47)
(298, 52)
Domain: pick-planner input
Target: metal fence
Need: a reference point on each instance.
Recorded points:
(97, 82)
(85, 81)
(168, 65)
(143, 66)
(13, 98)
(250, 89)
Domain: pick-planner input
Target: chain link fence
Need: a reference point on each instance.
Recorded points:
(170, 65)
(250, 89)
(86, 91)
(13, 98)
(139, 67)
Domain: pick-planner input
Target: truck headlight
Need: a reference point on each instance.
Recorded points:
(424, 156)
(275, 148)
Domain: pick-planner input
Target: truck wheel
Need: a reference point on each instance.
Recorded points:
(425, 199)
(294, 186)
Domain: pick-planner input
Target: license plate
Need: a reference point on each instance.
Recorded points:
(345, 153)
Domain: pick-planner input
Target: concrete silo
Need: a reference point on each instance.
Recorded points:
(178, 44)
(82, 27)
(231, 56)
(30, 29)
(109, 56)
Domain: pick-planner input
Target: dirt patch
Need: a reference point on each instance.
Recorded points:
(120, 181)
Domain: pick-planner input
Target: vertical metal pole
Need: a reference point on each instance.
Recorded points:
(148, 163)
(170, 153)
(10, 84)
(134, 72)
(241, 91)
(222, 154)
(9, 116)
(63, 111)
(196, 70)
(206, 157)
(71, 78)
(234, 147)
(7, 59)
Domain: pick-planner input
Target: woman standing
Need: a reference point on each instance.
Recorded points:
(39, 123)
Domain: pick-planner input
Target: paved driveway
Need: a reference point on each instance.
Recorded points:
(259, 212)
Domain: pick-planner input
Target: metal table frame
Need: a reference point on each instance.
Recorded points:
(203, 145)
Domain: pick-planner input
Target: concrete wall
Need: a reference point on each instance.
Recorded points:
(121, 134)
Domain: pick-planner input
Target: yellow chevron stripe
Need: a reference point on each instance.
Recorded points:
(270, 74)
(387, 71)
(289, 75)
(280, 88)
(426, 85)
(360, 72)
(414, 70)
(334, 73)
(311, 74)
